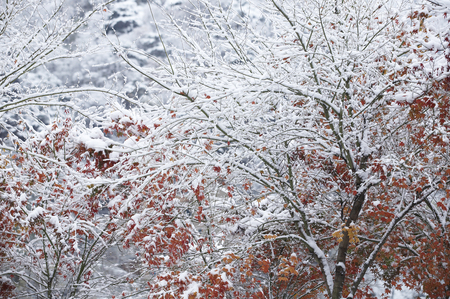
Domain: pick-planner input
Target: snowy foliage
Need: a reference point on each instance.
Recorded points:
(278, 149)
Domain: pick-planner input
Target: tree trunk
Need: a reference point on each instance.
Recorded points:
(339, 277)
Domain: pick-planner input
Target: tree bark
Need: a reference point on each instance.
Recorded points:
(339, 277)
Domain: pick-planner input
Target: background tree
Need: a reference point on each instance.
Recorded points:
(35, 34)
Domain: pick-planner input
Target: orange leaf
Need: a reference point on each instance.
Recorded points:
(441, 205)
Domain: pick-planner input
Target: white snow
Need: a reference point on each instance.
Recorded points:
(191, 289)
(340, 264)
(55, 222)
(37, 212)
(93, 139)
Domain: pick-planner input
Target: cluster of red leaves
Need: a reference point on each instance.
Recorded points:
(6, 289)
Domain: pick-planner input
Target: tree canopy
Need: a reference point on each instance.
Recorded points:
(283, 149)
